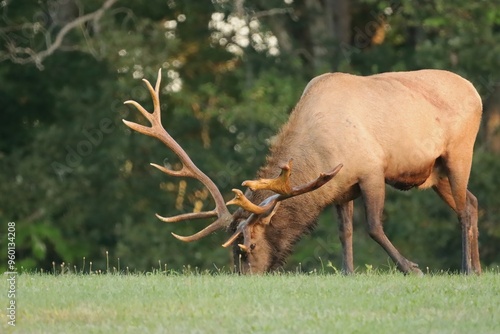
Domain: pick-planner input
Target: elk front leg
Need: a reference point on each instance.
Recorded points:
(373, 192)
(345, 213)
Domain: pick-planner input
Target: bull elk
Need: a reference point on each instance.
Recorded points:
(406, 129)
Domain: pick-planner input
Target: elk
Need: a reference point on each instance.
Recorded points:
(348, 136)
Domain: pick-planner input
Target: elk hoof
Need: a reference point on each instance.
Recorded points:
(414, 270)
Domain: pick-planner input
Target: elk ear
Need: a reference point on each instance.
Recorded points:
(267, 219)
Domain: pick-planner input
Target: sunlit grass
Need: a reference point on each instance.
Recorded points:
(285, 303)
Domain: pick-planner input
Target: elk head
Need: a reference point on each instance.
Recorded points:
(252, 219)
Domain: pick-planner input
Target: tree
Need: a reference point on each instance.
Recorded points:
(78, 183)
(33, 42)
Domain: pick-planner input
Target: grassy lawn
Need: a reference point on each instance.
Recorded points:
(288, 303)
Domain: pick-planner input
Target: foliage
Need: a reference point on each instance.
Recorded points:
(77, 182)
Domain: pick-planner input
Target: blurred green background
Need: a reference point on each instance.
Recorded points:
(77, 182)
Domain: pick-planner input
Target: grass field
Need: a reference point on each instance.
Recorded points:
(286, 303)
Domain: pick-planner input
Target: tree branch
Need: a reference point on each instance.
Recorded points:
(23, 55)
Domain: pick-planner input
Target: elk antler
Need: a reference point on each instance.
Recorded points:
(188, 169)
(266, 207)
(280, 185)
(243, 202)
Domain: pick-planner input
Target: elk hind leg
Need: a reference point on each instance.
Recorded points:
(469, 221)
(473, 207)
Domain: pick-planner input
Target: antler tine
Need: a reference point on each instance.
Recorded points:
(280, 184)
(216, 225)
(187, 216)
(189, 169)
(314, 184)
(240, 229)
(155, 117)
(265, 208)
(243, 202)
(170, 172)
(155, 96)
(233, 237)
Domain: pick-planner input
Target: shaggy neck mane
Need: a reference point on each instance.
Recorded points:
(296, 216)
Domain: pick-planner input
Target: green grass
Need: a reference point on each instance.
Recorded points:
(287, 303)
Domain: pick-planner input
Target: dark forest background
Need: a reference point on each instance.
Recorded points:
(77, 182)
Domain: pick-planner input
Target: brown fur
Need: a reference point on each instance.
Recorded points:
(406, 129)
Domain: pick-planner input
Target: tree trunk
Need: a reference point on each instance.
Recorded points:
(491, 121)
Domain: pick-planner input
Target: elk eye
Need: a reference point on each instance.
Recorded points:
(252, 246)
